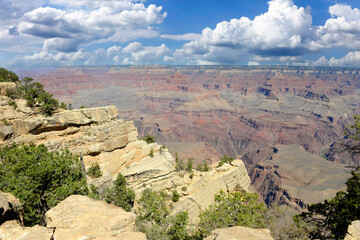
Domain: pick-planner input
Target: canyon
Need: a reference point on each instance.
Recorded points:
(284, 122)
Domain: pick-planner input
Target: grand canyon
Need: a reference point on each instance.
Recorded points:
(286, 123)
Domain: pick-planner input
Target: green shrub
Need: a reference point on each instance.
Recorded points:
(6, 122)
(120, 195)
(94, 170)
(221, 163)
(175, 196)
(155, 221)
(40, 179)
(148, 139)
(179, 164)
(189, 165)
(12, 104)
(63, 106)
(184, 189)
(151, 153)
(235, 209)
(226, 159)
(8, 76)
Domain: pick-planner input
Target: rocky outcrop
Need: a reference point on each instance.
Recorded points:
(240, 233)
(10, 208)
(353, 232)
(78, 217)
(11, 230)
(198, 193)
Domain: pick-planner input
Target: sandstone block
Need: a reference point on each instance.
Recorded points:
(11, 230)
(90, 217)
(353, 231)
(6, 132)
(10, 208)
(240, 233)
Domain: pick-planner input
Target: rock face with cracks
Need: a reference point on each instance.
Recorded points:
(97, 136)
(78, 217)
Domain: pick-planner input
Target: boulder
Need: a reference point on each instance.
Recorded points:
(11, 230)
(10, 208)
(6, 131)
(79, 216)
(240, 233)
(353, 231)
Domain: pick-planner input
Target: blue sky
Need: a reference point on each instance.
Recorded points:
(41, 33)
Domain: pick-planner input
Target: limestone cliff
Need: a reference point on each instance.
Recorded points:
(96, 135)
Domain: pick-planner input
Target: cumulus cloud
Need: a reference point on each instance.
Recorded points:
(284, 30)
(342, 30)
(67, 26)
(350, 59)
(44, 58)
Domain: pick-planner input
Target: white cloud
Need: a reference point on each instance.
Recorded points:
(284, 30)
(69, 25)
(342, 30)
(136, 53)
(350, 59)
(44, 58)
(182, 37)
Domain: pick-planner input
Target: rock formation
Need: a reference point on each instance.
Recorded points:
(78, 217)
(353, 232)
(240, 233)
(10, 208)
(98, 136)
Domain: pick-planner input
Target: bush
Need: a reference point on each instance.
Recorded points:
(94, 170)
(155, 221)
(40, 179)
(120, 195)
(226, 159)
(151, 153)
(8, 76)
(235, 209)
(175, 196)
(189, 165)
(148, 139)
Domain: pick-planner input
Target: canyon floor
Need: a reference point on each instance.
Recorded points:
(285, 123)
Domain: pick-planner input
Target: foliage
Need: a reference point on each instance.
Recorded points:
(175, 196)
(94, 192)
(12, 104)
(148, 139)
(120, 195)
(36, 96)
(179, 164)
(40, 179)
(226, 159)
(151, 153)
(331, 218)
(189, 165)
(94, 170)
(6, 122)
(235, 209)
(154, 218)
(8, 76)
(63, 106)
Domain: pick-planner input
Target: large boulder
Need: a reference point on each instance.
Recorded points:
(10, 208)
(78, 217)
(240, 233)
(353, 231)
(11, 230)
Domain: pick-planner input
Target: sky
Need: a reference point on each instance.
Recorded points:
(43, 33)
